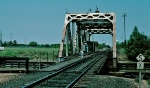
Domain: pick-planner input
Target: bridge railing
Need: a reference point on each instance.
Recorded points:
(128, 66)
(14, 64)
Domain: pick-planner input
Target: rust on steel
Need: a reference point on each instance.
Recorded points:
(88, 23)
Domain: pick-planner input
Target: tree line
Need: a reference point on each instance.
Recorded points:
(31, 44)
(35, 44)
(138, 43)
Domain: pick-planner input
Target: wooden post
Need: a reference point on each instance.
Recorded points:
(53, 56)
(47, 59)
(34, 65)
(139, 78)
(40, 62)
(18, 64)
(11, 64)
(27, 65)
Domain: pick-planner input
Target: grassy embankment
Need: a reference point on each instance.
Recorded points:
(123, 57)
(29, 52)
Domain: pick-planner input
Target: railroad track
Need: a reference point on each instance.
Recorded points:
(90, 74)
(68, 76)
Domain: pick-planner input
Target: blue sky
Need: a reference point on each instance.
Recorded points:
(43, 20)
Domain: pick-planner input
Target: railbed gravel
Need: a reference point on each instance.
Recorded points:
(19, 80)
(102, 81)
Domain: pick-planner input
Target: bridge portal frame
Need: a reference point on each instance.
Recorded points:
(94, 23)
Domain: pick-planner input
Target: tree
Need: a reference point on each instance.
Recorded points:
(33, 44)
(9, 43)
(108, 46)
(55, 45)
(96, 43)
(138, 43)
(14, 42)
(118, 45)
(103, 45)
(4, 44)
(46, 45)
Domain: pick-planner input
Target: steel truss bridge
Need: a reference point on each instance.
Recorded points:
(78, 28)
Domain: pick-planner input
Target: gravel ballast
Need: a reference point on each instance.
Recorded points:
(102, 81)
(8, 80)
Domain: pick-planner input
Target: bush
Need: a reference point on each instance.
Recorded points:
(33, 44)
(148, 81)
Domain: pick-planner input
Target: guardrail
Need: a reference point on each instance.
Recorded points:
(128, 66)
(14, 64)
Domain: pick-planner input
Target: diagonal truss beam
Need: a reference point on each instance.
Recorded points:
(93, 23)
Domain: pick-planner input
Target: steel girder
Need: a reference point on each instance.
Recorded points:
(89, 23)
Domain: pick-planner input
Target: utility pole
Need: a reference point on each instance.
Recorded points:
(10, 36)
(124, 15)
(25, 41)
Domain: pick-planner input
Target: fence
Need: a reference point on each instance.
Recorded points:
(127, 66)
(14, 64)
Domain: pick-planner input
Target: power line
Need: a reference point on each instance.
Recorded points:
(124, 15)
(134, 7)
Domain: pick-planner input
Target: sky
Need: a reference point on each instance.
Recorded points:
(43, 20)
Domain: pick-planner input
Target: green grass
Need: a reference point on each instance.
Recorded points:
(31, 49)
(121, 55)
(148, 81)
(29, 52)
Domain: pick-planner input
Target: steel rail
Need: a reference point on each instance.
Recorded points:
(53, 74)
(98, 70)
(81, 75)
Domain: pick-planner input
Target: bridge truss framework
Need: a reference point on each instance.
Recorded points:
(79, 27)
